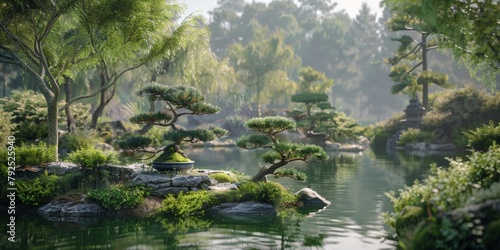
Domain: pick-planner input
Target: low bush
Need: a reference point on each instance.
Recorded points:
(415, 135)
(89, 158)
(78, 140)
(483, 137)
(290, 172)
(383, 131)
(35, 155)
(6, 126)
(445, 189)
(119, 197)
(184, 204)
(37, 191)
(222, 177)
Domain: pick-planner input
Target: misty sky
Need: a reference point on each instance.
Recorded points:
(350, 6)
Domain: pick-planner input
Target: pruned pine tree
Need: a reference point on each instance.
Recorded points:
(412, 54)
(179, 101)
(280, 152)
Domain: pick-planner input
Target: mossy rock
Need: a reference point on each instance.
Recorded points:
(171, 155)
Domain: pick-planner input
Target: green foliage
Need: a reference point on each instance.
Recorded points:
(445, 188)
(6, 125)
(290, 172)
(281, 153)
(185, 204)
(29, 114)
(268, 192)
(38, 191)
(180, 101)
(344, 128)
(222, 177)
(484, 137)
(90, 158)
(170, 155)
(270, 125)
(34, 155)
(382, 131)
(79, 139)
(119, 196)
(461, 110)
(310, 98)
(415, 135)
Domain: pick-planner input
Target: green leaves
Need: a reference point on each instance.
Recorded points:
(253, 141)
(271, 124)
(158, 118)
(134, 142)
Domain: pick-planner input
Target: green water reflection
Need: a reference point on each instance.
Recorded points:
(354, 183)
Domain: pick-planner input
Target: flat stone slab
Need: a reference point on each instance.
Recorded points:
(150, 178)
(244, 209)
(71, 209)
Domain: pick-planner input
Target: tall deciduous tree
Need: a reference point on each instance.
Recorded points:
(51, 40)
(260, 59)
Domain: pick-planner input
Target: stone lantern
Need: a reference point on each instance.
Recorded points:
(414, 113)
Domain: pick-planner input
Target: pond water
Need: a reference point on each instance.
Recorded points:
(354, 183)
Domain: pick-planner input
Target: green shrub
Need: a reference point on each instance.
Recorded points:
(222, 177)
(483, 137)
(6, 126)
(78, 140)
(190, 203)
(290, 172)
(29, 114)
(446, 188)
(268, 192)
(35, 155)
(119, 197)
(382, 131)
(90, 158)
(37, 191)
(415, 135)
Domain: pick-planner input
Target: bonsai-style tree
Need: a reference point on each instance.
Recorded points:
(312, 94)
(180, 101)
(281, 153)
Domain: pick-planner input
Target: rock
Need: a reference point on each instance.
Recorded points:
(61, 168)
(309, 197)
(208, 181)
(442, 147)
(223, 187)
(186, 181)
(421, 146)
(244, 209)
(143, 179)
(331, 145)
(125, 173)
(71, 209)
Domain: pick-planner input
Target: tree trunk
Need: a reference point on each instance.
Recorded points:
(425, 87)
(52, 125)
(104, 100)
(70, 120)
(265, 171)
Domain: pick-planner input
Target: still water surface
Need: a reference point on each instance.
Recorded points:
(354, 183)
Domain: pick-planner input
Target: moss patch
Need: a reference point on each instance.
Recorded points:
(168, 156)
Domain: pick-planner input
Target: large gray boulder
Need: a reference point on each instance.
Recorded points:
(150, 178)
(309, 197)
(61, 168)
(125, 173)
(64, 209)
(244, 210)
(186, 181)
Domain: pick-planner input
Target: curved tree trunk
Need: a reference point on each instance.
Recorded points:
(261, 175)
(104, 100)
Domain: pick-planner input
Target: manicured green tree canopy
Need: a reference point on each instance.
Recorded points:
(180, 101)
(280, 153)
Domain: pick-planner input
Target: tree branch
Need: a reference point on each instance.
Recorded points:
(414, 67)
